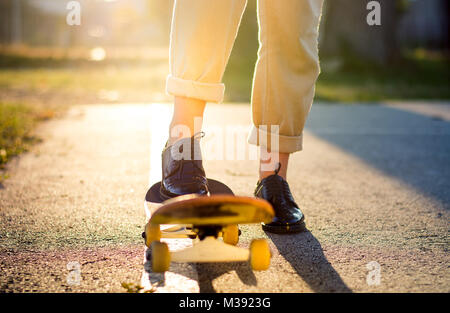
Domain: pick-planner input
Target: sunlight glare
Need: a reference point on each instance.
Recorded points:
(97, 54)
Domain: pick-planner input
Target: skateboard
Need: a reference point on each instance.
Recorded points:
(211, 221)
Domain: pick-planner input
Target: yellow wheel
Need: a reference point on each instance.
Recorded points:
(152, 233)
(259, 255)
(231, 234)
(160, 257)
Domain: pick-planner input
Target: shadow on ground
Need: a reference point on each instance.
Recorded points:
(158, 280)
(305, 254)
(303, 251)
(410, 147)
(207, 272)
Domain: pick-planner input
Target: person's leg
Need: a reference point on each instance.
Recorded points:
(287, 69)
(283, 90)
(202, 36)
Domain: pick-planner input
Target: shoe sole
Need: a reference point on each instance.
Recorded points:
(165, 196)
(285, 229)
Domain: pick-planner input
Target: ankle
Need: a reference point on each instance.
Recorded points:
(175, 134)
(187, 118)
(265, 174)
(274, 163)
(279, 170)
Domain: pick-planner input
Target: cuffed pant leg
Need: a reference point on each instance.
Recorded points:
(286, 71)
(202, 36)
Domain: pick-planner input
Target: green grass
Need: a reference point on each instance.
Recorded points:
(84, 79)
(16, 122)
(413, 77)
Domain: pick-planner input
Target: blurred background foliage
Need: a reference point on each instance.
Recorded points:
(404, 58)
(119, 53)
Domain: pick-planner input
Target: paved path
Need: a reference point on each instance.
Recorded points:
(373, 182)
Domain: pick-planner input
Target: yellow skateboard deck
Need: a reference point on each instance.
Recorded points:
(212, 221)
(213, 210)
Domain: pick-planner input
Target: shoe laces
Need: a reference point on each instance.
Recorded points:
(191, 167)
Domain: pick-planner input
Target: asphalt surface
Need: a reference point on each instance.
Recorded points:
(373, 182)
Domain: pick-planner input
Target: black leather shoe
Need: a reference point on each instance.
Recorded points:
(288, 216)
(182, 169)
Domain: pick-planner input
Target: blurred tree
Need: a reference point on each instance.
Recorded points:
(425, 25)
(17, 21)
(346, 33)
(5, 21)
(11, 21)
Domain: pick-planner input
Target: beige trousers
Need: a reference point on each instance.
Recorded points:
(202, 36)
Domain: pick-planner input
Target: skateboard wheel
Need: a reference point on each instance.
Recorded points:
(160, 257)
(259, 255)
(152, 233)
(231, 234)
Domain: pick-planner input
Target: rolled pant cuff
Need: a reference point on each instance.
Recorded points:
(196, 90)
(286, 144)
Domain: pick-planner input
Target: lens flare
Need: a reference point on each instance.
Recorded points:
(97, 54)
